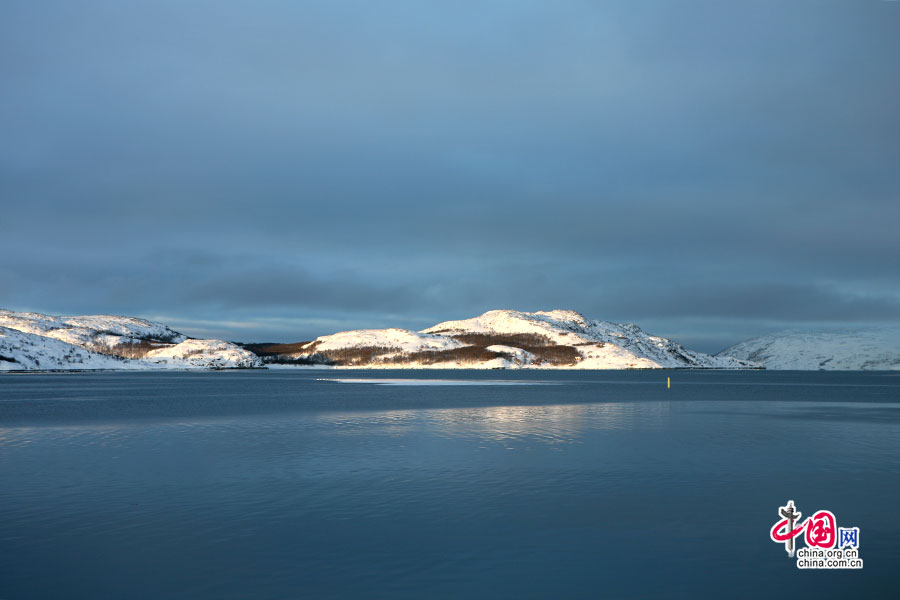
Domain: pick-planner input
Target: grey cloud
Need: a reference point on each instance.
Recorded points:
(405, 162)
(790, 302)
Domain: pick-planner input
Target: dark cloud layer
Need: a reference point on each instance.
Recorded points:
(704, 168)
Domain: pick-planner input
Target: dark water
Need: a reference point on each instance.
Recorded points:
(589, 485)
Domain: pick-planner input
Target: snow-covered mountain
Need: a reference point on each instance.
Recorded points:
(33, 341)
(509, 339)
(864, 349)
(497, 339)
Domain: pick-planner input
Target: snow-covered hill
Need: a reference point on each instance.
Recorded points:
(33, 341)
(865, 349)
(204, 354)
(28, 351)
(511, 339)
(87, 330)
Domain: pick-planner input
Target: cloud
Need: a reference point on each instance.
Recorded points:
(344, 162)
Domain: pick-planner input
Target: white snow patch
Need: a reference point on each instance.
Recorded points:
(400, 339)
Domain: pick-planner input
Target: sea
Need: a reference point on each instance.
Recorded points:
(316, 483)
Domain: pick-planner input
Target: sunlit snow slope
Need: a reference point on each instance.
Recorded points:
(33, 341)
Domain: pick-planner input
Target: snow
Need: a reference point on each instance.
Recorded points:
(23, 351)
(601, 344)
(84, 330)
(33, 341)
(209, 354)
(516, 355)
(862, 349)
(555, 324)
(400, 339)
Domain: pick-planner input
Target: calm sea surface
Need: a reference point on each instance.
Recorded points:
(436, 484)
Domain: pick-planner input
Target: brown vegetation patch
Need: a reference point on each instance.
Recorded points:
(517, 340)
(556, 355)
(355, 356)
(298, 353)
(542, 347)
(270, 349)
(134, 349)
(465, 354)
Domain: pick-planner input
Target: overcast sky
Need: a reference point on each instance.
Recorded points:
(281, 170)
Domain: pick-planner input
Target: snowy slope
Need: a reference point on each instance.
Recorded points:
(512, 339)
(207, 354)
(33, 341)
(85, 330)
(399, 339)
(602, 344)
(866, 349)
(28, 351)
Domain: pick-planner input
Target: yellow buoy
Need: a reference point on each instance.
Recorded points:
(668, 383)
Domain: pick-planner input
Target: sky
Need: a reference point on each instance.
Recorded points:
(275, 171)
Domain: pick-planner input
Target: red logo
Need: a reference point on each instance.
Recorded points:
(820, 530)
(827, 545)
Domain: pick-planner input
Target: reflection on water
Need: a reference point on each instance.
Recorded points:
(553, 424)
(511, 424)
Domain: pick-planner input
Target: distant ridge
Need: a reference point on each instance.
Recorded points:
(861, 349)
